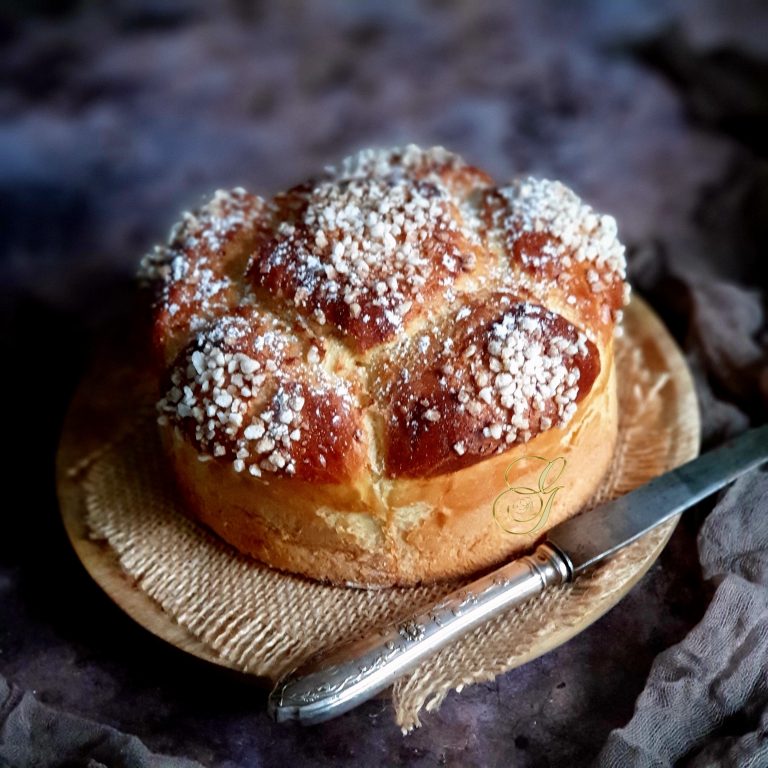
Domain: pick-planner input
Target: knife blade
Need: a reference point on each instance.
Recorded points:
(334, 681)
(593, 536)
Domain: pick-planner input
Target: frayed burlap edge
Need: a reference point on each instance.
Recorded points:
(252, 618)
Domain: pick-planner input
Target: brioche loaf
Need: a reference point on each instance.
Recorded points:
(394, 373)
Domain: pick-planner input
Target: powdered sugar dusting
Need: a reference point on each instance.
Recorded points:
(539, 205)
(411, 160)
(187, 271)
(235, 396)
(373, 240)
(506, 371)
(529, 369)
(563, 247)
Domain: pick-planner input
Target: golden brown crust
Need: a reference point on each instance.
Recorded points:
(497, 372)
(365, 252)
(245, 392)
(343, 364)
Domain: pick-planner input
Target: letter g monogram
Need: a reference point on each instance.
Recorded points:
(523, 510)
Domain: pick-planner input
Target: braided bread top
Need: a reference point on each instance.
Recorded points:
(399, 315)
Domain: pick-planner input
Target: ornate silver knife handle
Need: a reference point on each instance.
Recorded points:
(333, 682)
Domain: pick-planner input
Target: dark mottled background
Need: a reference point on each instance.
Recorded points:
(114, 116)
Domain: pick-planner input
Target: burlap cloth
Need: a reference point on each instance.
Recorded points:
(255, 619)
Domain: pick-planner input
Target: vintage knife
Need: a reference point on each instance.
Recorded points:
(335, 681)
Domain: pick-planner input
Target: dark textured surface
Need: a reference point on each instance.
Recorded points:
(110, 121)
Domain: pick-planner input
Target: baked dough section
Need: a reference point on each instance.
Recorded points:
(396, 373)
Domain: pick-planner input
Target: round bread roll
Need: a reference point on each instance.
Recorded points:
(395, 373)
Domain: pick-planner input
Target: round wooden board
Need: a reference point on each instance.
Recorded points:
(93, 419)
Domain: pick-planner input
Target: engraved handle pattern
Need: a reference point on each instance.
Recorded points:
(333, 682)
